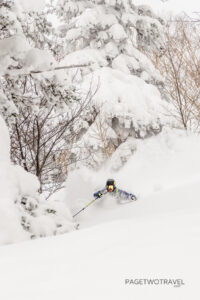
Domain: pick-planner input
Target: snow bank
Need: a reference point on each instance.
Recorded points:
(162, 162)
(24, 214)
(99, 259)
(10, 224)
(14, 181)
(10, 228)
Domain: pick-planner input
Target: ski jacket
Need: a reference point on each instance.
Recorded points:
(120, 194)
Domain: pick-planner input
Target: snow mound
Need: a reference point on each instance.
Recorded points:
(102, 258)
(24, 214)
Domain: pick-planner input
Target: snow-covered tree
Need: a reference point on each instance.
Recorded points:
(24, 213)
(40, 138)
(111, 36)
(38, 106)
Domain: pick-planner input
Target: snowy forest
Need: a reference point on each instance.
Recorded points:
(84, 85)
(92, 90)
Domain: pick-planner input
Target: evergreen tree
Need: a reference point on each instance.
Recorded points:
(112, 36)
(24, 211)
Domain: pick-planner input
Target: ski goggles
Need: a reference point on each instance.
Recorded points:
(110, 188)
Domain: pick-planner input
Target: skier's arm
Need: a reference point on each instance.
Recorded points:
(100, 193)
(125, 195)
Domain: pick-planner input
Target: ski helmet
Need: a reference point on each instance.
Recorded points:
(110, 182)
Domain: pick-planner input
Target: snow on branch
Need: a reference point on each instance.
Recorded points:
(61, 68)
(50, 70)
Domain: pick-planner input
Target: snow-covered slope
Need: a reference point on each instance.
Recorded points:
(160, 163)
(154, 238)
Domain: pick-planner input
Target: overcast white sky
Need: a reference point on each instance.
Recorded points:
(159, 7)
(177, 6)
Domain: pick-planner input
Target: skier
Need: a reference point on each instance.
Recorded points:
(114, 191)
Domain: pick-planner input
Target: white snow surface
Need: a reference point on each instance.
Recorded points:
(156, 237)
(14, 181)
(160, 163)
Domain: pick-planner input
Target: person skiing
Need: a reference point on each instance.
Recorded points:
(114, 191)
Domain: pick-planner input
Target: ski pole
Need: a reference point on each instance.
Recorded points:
(85, 207)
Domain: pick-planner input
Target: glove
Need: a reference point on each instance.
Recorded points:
(133, 197)
(98, 195)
